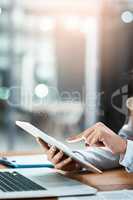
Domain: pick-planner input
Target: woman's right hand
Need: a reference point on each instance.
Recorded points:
(58, 158)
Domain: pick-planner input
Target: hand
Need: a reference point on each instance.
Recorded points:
(101, 135)
(60, 161)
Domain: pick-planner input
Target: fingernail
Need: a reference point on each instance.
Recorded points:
(84, 138)
(71, 138)
(61, 152)
(69, 159)
(37, 139)
(53, 148)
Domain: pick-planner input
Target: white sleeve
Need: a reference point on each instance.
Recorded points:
(100, 157)
(125, 132)
(127, 160)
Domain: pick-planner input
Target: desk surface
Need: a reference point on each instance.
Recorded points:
(110, 180)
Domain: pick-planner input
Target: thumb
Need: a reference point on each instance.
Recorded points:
(75, 138)
(42, 143)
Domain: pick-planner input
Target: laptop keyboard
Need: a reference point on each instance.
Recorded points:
(15, 182)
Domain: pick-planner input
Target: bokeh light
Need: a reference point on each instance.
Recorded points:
(47, 24)
(41, 90)
(72, 23)
(127, 16)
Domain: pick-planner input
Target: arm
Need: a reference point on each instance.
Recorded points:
(104, 159)
(101, 158)
(98, 135)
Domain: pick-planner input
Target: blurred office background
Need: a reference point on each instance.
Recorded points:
(64, 65)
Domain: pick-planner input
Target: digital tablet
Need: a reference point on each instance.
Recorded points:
(59, 145)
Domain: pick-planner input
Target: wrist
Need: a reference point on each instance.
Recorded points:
(124, 146)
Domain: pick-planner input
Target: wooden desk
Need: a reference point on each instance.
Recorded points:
(109, 180)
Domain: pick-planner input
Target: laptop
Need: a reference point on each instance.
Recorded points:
(109, 195)
(39, 183)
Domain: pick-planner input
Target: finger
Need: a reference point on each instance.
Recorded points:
(87, 134)
(94, 136)
(96, 140)
(43, 144)
(107, 129)
(103, 138)
(40, 141)
(58, 157)
(106, 141)
(62, 164)
(75, 138)
(84, 134)
(89, 131)
(51, 153)
(80, 136)
(91, 138)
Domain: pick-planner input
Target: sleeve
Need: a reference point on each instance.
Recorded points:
(100, 157)
(125, 132)
(127, 159)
